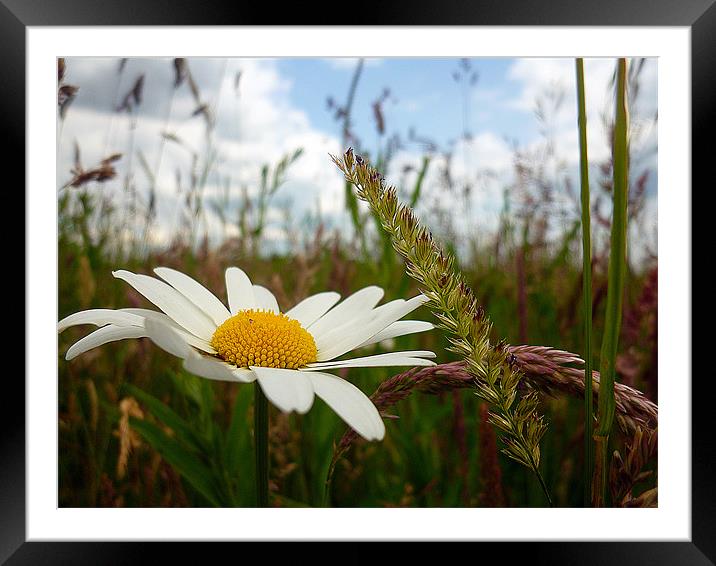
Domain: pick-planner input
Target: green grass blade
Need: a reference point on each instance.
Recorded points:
(187, 464)
(181, 428)
(415, 197)
(352, 206)
(239, 448)
(238, 437)
(615, 292)
(586, 286)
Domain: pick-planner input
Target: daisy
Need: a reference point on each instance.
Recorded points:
(289, 354)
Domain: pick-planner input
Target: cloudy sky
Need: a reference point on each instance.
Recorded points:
(267, 108)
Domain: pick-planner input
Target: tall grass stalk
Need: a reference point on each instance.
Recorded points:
(459, 314)
(153, 175)
(615, 292)
(351, 200)
(586, 286)
(415, 196)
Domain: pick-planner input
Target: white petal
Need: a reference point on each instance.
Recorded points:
(365, 328)
(410, 305)
(239, 290)
(188, 337)
(388, 362)
(100, 317)
(196, 293)
(326, 336)
(131, 317)
(349, 403)
(265, 299)
(358, 303)
(350, 326)
(310, 309)
(167, 338)
(211, 368)
(411, 358)
(389, 305)
(110, 333)
(288, 389)
(172, 302)
(400, 328)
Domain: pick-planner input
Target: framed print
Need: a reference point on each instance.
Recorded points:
(393, 280)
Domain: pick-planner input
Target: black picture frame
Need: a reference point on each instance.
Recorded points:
(698, 15)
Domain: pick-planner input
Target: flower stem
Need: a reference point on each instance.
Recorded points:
(261, 445)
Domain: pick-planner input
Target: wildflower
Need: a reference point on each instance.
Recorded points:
(288, 353)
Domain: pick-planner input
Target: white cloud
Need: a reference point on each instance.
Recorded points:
(537, 78)
(484, 163)
(255, 125)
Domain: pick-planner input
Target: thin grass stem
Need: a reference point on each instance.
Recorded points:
(351, 201)
(535, 469)
(586, 286)
(615, 291)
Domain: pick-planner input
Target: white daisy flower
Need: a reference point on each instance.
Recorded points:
(288, 353)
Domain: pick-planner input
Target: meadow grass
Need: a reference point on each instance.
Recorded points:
(136, 430)
(615, 289)
(587, 283)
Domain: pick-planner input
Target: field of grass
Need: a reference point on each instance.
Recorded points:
(136, 430)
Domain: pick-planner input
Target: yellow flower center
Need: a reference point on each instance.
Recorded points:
(265, 339)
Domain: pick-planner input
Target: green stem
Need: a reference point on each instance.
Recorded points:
(261, 445)
(415, 197)
(586, 288)
(543, 485)
(351, 200)
(615, 291)
(327, 485)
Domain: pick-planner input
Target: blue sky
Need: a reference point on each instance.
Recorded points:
(281, 105)
(424, 95)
